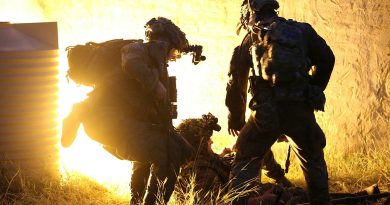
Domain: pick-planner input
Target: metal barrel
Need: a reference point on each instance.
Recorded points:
(29, 94)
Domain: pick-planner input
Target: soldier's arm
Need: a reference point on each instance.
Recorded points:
(321, 57)
(136, 66)
(236, 90)
(207, 179)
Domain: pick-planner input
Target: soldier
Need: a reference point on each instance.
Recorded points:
(212, 170)
(156, 30)
(128, 112)
(290, 68)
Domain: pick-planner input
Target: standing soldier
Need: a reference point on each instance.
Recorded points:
(164, 30)
(129, 112)
(290, 67)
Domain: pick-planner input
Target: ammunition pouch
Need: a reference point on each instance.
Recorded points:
(294, 93)
(172, 89)
(174, 111)
(173, 96)
(260, 91)
(263, 104)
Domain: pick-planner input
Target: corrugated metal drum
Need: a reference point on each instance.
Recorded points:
(29, 93)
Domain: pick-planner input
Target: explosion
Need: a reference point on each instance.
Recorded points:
(358, 95)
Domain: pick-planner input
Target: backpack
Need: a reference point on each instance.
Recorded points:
(283, 58)
(90, 62)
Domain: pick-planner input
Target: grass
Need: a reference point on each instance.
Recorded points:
(18, 186)
(348, 172)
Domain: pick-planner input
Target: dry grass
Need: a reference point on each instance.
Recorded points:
(347, 172)
(18, 186)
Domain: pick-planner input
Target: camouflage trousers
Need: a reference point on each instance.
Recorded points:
(297, 121)
(138, 182)
(145, 180)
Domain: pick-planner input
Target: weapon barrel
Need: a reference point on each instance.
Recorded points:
(353, 200)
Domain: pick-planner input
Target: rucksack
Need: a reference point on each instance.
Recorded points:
(284, 57)
(90, 62)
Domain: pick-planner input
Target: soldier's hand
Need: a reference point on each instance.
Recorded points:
(233, 132)
(235, 124)
(225, 152)
(160, 92)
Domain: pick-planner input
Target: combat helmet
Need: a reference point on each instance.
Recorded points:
(161, 28)
(197, 131)
(251, 6)
(257, 5)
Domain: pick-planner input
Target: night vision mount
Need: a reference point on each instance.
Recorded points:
(196, 52)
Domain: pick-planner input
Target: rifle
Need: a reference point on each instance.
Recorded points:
(168, 109)
(357, 199)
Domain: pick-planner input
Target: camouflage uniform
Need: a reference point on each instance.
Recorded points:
(122, 124)
(211, 173)
(122, 113)
(211, 170)
(277, 110)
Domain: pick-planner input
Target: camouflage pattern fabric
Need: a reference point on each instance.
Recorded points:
(212, 171)
(114, 115)
(162, 28)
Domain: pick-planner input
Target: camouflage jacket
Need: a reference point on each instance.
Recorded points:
(319, 53)
(130, 87)
(211, 172)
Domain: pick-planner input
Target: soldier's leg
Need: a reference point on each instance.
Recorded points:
(161, 184)
(251, 146)
(139, 180)
(308, 143)
(274, 170)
